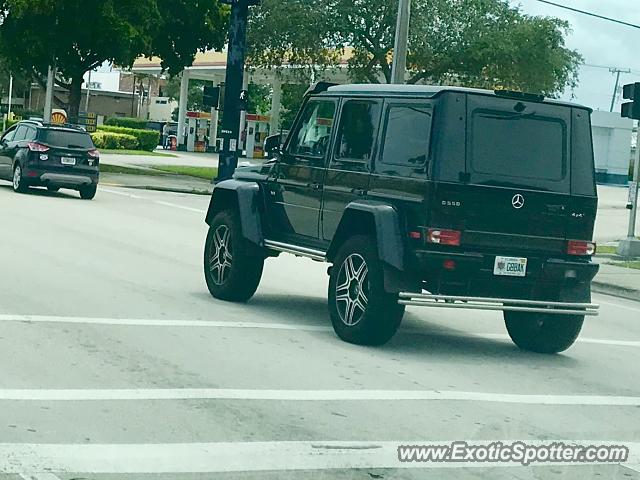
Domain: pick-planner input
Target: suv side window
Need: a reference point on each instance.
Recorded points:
(21, 133)
(358, 131)
(8, 136)
(407, 134)
(313, 134)
(31, 134)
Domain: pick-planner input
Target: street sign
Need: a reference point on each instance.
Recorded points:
(633, 189)
(631, 109)
(244, 100)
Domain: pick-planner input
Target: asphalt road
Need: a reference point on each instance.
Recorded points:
(116, 363)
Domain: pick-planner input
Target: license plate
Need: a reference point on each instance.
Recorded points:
(68, 161)
(510, 267)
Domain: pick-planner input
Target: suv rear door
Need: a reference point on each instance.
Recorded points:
(68, 148)
(351, 158)
(515, 192)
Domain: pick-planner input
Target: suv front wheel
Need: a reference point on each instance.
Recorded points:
(232, 266)
(362, 312)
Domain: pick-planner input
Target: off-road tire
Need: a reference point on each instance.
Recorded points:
(234, 273)
(362, 312)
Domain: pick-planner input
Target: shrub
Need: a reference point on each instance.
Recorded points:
(114, 141)
(127, 122)
(147, 139)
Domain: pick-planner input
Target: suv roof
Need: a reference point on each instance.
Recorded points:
(431, 91)
(65, 127)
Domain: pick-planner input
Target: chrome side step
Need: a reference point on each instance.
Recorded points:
(311, 253)
(499, 304)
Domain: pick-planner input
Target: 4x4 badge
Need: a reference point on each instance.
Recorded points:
(517, 201)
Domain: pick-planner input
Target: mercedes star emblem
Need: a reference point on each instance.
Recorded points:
(517, 201)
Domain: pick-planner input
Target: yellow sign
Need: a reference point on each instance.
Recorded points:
(59, 117)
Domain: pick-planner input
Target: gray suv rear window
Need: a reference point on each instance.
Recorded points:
(519, 146)
(66, 139)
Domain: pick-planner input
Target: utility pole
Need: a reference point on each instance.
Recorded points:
(401, 43)
(48, 99)
(617, 71)
(86, 104)
(233, 103)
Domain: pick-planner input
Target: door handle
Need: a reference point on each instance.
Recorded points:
(316, 186)
(359, 191)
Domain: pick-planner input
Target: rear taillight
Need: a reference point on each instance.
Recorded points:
(443, 237)
(581, 248)
(95, 153)
(37, 147)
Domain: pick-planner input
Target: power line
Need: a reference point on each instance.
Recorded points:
(591, 14)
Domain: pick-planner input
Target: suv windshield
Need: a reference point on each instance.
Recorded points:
(66, 139)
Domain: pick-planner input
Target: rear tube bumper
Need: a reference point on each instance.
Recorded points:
(498, 304)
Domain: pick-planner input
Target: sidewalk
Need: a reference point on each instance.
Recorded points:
(167, 183)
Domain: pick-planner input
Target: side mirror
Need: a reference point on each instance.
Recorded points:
(272, 145)
(3, 142)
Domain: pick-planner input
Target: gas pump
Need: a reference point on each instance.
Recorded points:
(197, 131)
(257, 131)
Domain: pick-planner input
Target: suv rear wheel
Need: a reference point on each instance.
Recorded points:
(232, 266)
(543, 333)
(361, 311)
(549, 333)
(89, 192)
(19, 183)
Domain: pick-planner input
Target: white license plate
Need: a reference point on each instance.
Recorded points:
(510, 267)
(68, 161)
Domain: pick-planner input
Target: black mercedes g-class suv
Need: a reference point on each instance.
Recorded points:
(434, 196)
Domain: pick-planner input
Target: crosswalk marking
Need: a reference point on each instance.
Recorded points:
(137, 394)
(236, 457)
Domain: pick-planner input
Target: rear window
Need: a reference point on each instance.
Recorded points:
(505, 144)
(66, 139)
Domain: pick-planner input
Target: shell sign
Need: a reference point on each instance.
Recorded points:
(59, 117)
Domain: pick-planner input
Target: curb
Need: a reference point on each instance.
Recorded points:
(191, 191)
(615, 291)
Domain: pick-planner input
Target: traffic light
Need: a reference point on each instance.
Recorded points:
(211, 97)
(631, 109)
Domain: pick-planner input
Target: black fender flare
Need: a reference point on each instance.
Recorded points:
(244, 197)
(386, 222)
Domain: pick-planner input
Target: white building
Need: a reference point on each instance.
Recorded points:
(612, 146)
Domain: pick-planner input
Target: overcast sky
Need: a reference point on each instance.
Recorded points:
(600, 42)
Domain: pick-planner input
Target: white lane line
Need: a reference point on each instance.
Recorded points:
(138, 322)
(594, 341)
(243, 456)
(147, 394)
(133, 322)
(617, 305)
(173, 205)
(122, 194)
(158, 202)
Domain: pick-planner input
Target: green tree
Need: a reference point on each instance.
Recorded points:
(292, 95)
(78, 35)
(477, 43)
